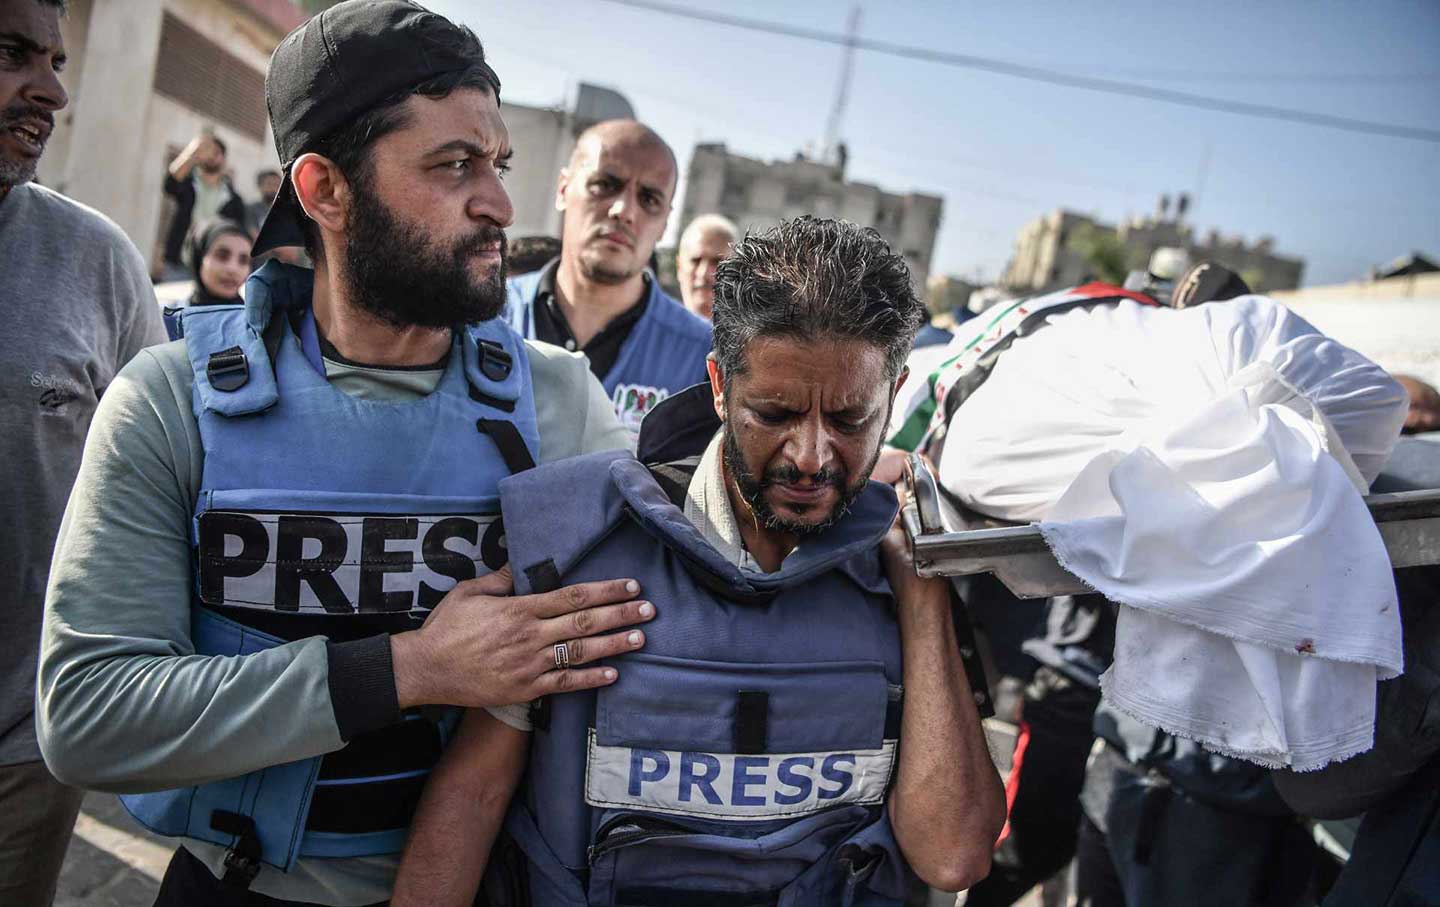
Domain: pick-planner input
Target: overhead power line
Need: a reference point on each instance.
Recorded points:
(1048, 76)
(1190, 75)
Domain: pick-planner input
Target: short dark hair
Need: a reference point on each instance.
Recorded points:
(62, 5)
(349, 147)
(813, 278)
(264, 173)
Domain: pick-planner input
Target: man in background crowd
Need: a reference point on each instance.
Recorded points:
(703, 244)
(78, 306)
(267, 183)
(598, 297)
(197, 182)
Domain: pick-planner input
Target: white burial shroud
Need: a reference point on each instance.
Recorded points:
(1204, 468)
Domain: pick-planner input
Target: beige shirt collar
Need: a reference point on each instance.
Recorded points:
(707, 507)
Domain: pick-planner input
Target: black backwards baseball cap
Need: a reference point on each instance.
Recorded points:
(341, 64)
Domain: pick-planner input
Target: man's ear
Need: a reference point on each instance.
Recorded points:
(560, 186)
(322, 190)
(717, 384)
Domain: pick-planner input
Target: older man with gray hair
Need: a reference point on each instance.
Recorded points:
(704, 243)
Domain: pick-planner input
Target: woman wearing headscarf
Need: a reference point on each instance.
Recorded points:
(218, 254)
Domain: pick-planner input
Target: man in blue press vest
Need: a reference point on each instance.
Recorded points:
(269, 508)
(798, 730)
(597, 297)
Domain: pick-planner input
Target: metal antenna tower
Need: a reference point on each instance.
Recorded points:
(842, 89)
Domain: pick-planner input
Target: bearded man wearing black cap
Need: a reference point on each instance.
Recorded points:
(283, 541)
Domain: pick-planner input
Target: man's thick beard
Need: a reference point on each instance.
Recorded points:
(399, 277)
(752, 490)
(15, 173)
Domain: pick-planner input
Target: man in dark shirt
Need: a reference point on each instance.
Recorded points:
(603, 347)
(267, 183)
(197, 182)
(1395, 860)
(598, 297)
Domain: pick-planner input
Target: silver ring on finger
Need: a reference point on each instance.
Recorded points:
(562, 656)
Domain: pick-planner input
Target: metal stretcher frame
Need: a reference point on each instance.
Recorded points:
(1409, 522)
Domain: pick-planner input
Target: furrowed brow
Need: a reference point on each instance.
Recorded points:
(25, 42)
(468, 147)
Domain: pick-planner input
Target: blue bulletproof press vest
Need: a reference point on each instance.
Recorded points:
(320, 513)
(744, 756)
(664, 354)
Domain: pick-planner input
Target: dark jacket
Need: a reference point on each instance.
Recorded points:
(1395, 861)
(1396, 858)
(183, 191)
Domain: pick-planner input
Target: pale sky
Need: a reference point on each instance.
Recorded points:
(1002, 151)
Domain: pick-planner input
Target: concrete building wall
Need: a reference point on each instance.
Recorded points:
(1044, 256)
(542, 140)
(75, 30)
(758, 195)
(1395, 323)
(705, 184)
(112, 144)
(1045, 259)
(944, 293)
(860, 203)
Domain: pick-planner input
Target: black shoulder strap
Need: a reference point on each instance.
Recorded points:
(512, 446)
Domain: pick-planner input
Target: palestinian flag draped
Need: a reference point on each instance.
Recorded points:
(968, 361)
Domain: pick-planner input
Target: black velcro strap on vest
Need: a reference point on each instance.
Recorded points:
(365, 806)
(543, 577)
(512, 446)
(356, 809)
(227, 370)
(406, 746)
(655, 896)
(752, 716)
(242, 860)
(540, 714)
(894, 713)
(479, 396)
